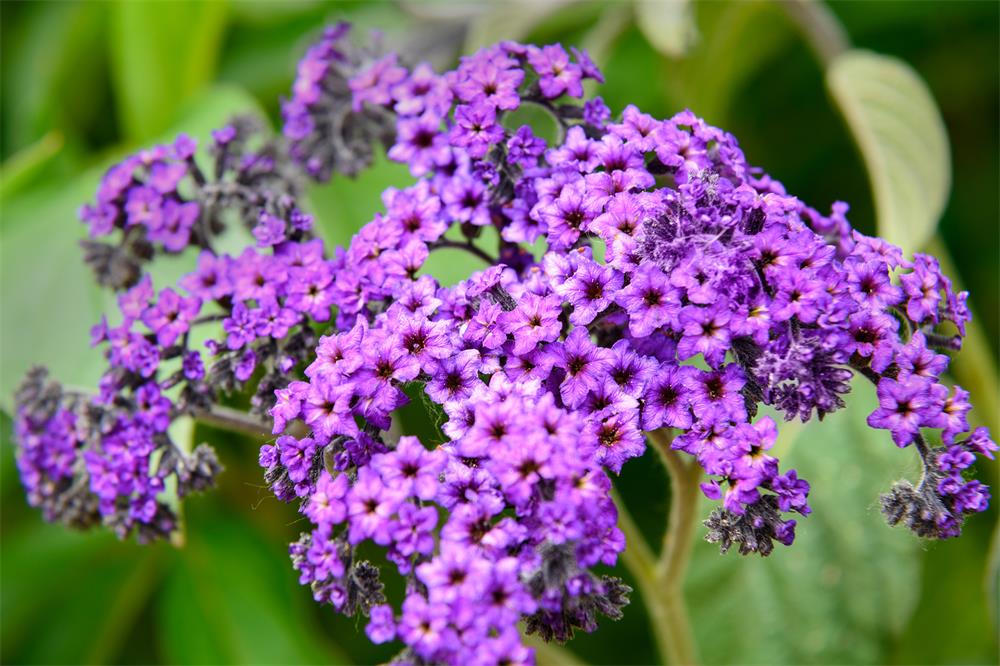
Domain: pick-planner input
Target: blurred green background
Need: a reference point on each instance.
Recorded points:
(83, 83)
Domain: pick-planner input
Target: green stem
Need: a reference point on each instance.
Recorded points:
(671, 615)
(233, 419)
(638, 558)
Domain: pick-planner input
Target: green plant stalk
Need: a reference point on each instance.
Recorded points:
(227, 418)
(676, 552)
(661, 579)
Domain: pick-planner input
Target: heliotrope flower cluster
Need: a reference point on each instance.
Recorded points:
(645, 278)
(326, 131)
(108, 457)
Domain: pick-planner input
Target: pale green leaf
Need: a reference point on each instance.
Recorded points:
(902, 138)
(163, 53)
(847, 585)
(19, 169)
(52, 614)
(668, 25)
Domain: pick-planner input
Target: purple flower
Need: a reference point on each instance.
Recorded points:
(596, 112)
(171, 316)
(649, 300)
(705, 332)
(424, 626)
(905, 406)
(326, 506)
(586, 366)
(374, 84)
(381, 626)
(485, 82)
(475, 128)
(412, 533)
(524, 148)
(667, 400)
(454, 378)
(420, 144)
(590, 291)
(240, 327)
(270, 230)
(536, 319)
(556, 75)
(370, 506)
(410, 469)
(465, 200)
(715, 396)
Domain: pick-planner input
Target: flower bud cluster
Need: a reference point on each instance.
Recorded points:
(328, 133)
(109, 457)
(163, 199)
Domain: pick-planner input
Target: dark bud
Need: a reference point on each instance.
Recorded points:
(113, 267)
(919, 509)
(36, 397)
(584, 596)
(755, 531)
(503, 298)
(364, 588)
(408, 658)
(198, 472)
(76, 507)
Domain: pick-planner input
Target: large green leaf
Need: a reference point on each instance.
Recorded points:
(164, 52)
(20, 169)
(43, 588)
(903, 140)
(53, 64)
(48, 298)
(231, 597)
(508, 20)
(848, 584)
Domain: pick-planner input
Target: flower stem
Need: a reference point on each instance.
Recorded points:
(468, 247)
(232, 419)
(668, 610)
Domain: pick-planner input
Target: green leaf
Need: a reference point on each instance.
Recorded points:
(232, 597)
(164, 52)
(669, 26)
(54, 59)
(43, 588)
(47, 295)
(849, 582)
(902, 138)
(18, 170)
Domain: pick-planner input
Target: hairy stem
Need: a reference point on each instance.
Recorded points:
(640, 561)
(662, 580)
(233, 419)
(468, 247)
